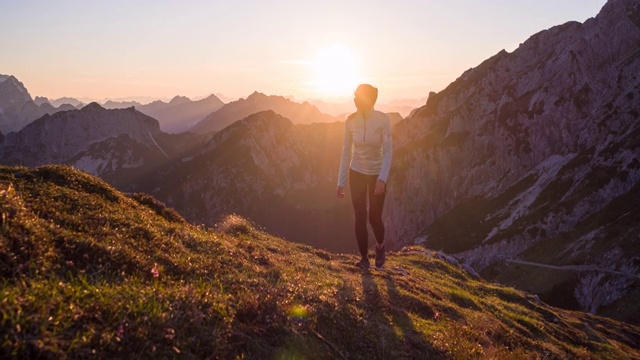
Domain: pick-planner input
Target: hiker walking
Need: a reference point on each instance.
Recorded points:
(365, 161)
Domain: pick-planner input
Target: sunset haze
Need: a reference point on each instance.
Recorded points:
(159, 49)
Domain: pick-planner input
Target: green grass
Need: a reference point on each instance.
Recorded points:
(90, 272)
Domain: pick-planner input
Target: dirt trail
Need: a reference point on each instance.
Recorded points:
(573, 268)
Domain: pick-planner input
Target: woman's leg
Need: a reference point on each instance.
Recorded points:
(376, 204)
(358, 188)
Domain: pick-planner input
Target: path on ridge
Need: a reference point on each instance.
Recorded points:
(573, 267)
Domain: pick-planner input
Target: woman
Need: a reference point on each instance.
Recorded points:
(366, 160)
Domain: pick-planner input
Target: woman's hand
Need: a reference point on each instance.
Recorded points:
(379, 188)
(340, 192)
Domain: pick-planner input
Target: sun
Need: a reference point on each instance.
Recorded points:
(335, 71)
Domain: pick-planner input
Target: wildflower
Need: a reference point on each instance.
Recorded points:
(155, 271)
(436, 316)
(119, 333)
(169, 333)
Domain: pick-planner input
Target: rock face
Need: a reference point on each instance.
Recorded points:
(117, 145)
(534, 155)
(304, 113)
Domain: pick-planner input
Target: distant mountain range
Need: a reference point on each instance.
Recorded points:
(304, 113)
(59, 102)
(181, 114)
(527, 167)
(176, 116)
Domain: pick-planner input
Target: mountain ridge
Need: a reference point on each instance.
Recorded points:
(304, 113)
(176, 116)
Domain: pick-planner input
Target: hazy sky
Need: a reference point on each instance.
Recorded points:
(306, 49)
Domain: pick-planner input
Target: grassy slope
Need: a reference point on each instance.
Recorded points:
(79, 261)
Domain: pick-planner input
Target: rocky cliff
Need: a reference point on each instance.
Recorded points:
(534, 155)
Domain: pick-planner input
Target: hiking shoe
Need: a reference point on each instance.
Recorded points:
(363, 263)
(380, 257)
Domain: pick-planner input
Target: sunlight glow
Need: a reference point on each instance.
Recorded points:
(335, 71)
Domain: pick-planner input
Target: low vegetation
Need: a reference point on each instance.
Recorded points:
(88, 271)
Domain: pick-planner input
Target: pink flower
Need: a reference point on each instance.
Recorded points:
(120, 331)
(436, 316)
(155, 271)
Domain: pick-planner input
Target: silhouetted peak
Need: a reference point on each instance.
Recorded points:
(13, 85)
(628, 6)
(39, 100)
(212, 97)
(179, 100)
(265, 119)
(257, 96)
(4, 78)
(94, 106)
(65, 100)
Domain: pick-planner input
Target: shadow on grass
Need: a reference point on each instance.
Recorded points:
(395, 333)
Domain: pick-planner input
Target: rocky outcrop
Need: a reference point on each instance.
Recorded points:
(527, 154)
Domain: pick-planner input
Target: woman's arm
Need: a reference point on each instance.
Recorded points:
(345, 159)
(387, 149)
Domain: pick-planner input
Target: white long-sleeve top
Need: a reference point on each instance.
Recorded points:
(367, 146)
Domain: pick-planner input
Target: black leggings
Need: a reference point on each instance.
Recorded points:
(362, 186)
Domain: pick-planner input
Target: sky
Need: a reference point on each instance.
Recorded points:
(305, 49)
